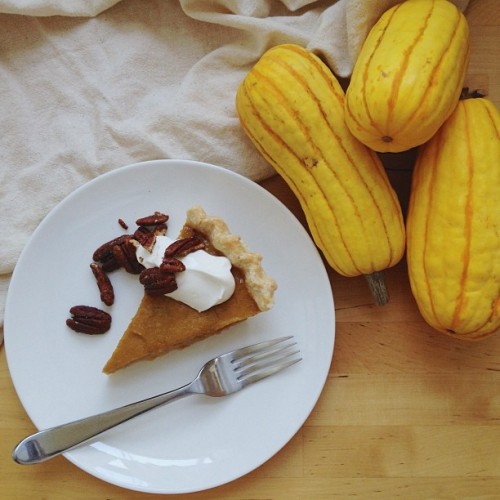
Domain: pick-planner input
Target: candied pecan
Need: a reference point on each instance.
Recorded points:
(152, 220)
(106, 249)
(157, 282)
(145, 237)
(109, 264)
(160, 230)
(104, 284)
(184, 246)
(172, 265)
(124, 253)
(88, 319)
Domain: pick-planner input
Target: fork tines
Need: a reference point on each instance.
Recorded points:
(261, 360)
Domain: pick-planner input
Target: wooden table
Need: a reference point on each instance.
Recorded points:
(405, 412)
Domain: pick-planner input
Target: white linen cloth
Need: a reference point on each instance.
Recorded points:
(87, 86)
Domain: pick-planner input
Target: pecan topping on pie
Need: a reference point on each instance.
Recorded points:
(156, 281)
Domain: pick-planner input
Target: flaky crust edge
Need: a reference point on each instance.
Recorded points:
(260, 285)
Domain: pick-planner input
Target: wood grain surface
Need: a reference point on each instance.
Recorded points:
(405, 412)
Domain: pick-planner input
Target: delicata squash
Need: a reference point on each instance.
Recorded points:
(292, 108)
(408, 76)
(453, 224)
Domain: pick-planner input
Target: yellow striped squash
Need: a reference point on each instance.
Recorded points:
(292, 108)
(453, 224)
(408, 76)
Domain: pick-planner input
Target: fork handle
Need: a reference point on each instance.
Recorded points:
(49, 443)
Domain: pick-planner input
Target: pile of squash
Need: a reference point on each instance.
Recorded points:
(405, 92)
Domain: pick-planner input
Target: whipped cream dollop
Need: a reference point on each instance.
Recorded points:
(206, 281)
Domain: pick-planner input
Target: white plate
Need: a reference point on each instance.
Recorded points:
(199, 442)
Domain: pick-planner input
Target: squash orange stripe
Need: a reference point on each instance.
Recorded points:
(458, 292)
(364, 92)
(296, 118)
(492, 119)
(496, 304)
(412, 116)
(320, 69)
(430, 198)
(340, 142)
(285, 175)
(399, 96)
(337, 138)
(377, 166)
(396, 84)
(467, 227)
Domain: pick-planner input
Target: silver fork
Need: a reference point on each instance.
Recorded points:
(220, 376)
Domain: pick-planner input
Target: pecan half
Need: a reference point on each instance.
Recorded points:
(145, 237)
(104, 284)
(152, 220)
(88, 319)
(105, 251)
(172, 265)
(124, 253)
(157, 282)
(109, 264)
(184, 246)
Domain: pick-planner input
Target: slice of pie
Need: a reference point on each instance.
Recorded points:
(162, 324)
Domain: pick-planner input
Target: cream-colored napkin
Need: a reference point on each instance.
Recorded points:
(90, 86)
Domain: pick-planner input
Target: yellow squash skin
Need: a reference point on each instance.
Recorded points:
(408, 76)
(453, 224)
(292, 108)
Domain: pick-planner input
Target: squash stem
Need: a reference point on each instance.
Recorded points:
(377, 287)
